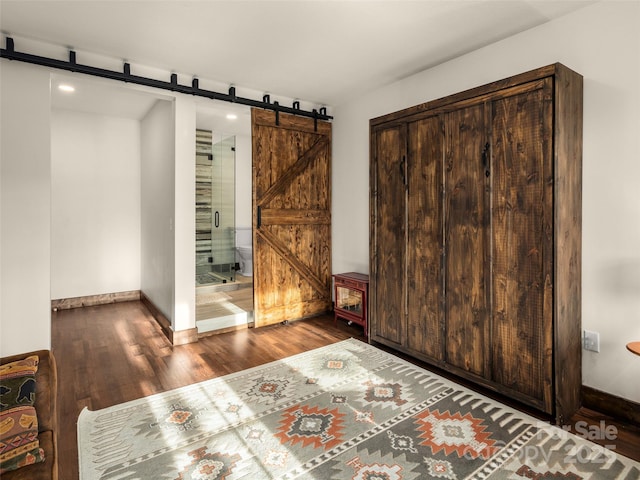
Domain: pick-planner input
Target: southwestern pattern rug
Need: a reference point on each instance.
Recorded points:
(345, 411)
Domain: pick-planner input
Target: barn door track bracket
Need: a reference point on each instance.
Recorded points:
(10, 53)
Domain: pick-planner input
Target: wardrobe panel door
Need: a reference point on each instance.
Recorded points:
(522, 239)
(388, 251)
(424, 237)
(465, 241)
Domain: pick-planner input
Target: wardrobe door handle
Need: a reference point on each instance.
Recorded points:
(402, 169)
(485, 155)
(485, 158)
(217, 219)
(259, 217)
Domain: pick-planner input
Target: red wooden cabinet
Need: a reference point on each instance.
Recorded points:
(351, 292)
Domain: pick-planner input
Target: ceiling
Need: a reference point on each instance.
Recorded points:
(323, 52)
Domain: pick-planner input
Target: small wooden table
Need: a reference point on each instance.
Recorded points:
(351, 291)
(634, 347)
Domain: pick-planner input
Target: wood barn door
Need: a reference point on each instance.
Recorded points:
(292, 217)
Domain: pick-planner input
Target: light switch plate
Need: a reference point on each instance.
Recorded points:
(591, 341)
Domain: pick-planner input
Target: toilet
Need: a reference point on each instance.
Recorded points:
(244, 250)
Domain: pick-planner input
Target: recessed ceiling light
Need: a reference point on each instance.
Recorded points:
(66, 88)
(231, 116)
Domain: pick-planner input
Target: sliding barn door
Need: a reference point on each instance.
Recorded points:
(292, 217)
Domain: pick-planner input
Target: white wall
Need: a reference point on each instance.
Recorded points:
(184, 314)
(26, 203)
(601, 42)
(244, 174)
(95, 204)
(25, 188)
(168, 209)
(157, 205)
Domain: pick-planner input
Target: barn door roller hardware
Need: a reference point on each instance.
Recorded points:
(10, 53)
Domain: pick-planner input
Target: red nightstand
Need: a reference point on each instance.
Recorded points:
(351, 292)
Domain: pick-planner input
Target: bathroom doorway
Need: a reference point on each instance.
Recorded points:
(224, 265)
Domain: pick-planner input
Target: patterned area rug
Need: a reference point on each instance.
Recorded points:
(345, 411)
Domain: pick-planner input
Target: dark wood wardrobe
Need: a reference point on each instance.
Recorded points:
(475, 259)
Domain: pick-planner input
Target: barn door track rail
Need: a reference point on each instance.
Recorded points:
(10, 53)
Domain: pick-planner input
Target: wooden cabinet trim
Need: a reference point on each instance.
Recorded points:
(409, 115)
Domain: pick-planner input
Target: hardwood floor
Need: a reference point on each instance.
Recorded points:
(114, 353)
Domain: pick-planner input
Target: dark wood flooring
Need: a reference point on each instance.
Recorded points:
(114, 353)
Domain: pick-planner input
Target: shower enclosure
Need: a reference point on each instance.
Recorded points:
(215, 208)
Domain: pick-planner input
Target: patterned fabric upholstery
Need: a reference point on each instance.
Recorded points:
(44, 402)
(19, 445)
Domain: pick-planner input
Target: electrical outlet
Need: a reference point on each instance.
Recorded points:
(591, 341)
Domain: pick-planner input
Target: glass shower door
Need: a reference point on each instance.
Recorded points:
(215, 208)
(223, 209)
